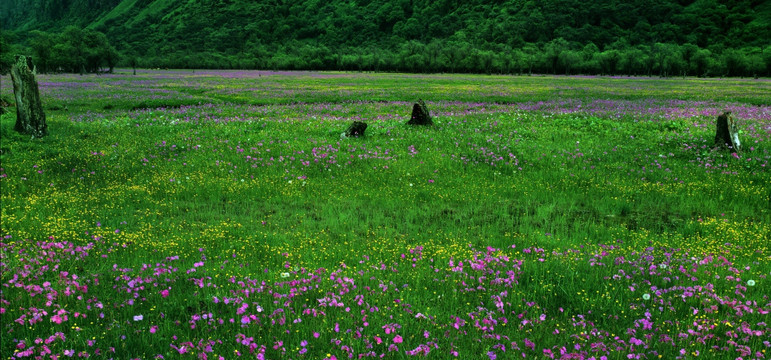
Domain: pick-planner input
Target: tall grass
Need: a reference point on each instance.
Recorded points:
(220, 214)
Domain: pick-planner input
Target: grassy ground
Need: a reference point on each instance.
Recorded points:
(220, 214)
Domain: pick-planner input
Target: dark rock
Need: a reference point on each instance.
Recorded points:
(420, 114)
(356, 129)
(727, 134)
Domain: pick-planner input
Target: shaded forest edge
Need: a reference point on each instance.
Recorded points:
(639, 37)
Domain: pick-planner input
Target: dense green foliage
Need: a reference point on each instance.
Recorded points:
(74, 50)
(642, 37)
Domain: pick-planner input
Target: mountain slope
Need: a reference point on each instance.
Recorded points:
(255, 33)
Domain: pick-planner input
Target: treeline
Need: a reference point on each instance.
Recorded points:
(74, 50)
(555, 57)
(231, 26)
(636, 37)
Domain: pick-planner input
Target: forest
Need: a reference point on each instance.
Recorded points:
(608, 37)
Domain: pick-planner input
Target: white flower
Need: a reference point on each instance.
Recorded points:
(410, 184)
(138, 317)
(750, 282)
(284, 275)
(663, 266)
(646, 296)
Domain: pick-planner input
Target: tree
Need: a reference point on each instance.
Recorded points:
(516, 62)
(700, 62)
(661, 52)
(568, 60)
(636, 61)
(609, 60)
(673, 62)
(7, 50)
(590, 59)
(133, 61)
(111, 58)
(552, 51)
(589, 51)
(42, 44)
(434, 50)
(453, 53)
(766, 55)
(74, 49)
(755, 64)
(530, 57)
(96, 50)
(413, 56)
(735, 62)
(688, 51)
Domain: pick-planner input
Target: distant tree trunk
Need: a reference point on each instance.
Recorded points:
(30, 118)
(727, 134)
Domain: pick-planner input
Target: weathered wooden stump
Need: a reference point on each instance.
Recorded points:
(356, 129)
(727, 134)
(30, 118)
(420, 114)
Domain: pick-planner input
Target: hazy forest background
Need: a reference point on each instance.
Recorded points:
(608, 37)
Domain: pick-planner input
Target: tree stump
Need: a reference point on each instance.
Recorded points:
(30, 118)
(727, 134)
(356, 129)
(420, 114)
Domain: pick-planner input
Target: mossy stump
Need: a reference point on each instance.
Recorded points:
(30, 118)
(727, 133)
(420, 114)
(356, 129)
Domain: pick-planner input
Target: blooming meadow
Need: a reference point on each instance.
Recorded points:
(220, 215)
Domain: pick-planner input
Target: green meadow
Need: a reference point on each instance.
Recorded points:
(221, 214)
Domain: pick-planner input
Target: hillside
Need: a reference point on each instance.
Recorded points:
(415, 35)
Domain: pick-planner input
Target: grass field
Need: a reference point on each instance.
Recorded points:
(180, 214)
